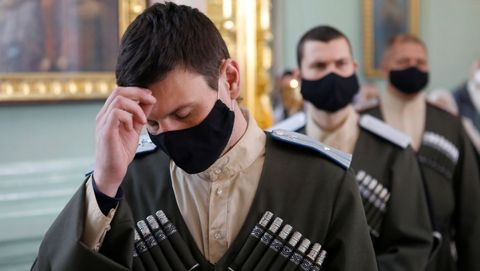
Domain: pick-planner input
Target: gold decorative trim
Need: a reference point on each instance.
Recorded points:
(60, 86)
(369, 35)
(245, 27)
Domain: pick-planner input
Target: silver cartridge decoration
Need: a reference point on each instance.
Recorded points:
(286, 252)
(274, 248)
(165, 245)
(137, 264)
(308, 261)
(377, 218)
(176, 240)
(143, 253)
(375, 198)
(297, 256)
(152, 244)
(263, 245)
(251, 242)
(317, 266)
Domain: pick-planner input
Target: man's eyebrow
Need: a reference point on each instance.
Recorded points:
(317, 62)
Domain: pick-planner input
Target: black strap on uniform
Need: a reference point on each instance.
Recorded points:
(437, 230)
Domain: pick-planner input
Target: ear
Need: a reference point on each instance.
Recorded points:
(296, 74)
(384, 70)
(230, 73)
(385, 63)
(355, 65)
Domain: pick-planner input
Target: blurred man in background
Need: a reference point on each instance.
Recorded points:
(445, 153)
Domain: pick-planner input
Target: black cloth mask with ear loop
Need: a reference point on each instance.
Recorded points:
(196, 148)
(331, 92)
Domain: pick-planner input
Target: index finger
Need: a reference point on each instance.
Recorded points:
(137, 94)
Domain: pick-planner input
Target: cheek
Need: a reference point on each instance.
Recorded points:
(347, 71)
(313, 74)
(424, 67)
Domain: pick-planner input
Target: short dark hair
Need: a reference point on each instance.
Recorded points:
(167, 36)
(323, 33)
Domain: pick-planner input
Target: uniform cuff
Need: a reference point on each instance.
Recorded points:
(96, 223)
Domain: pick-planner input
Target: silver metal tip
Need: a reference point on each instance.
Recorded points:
(153, 222)
(162, 217)
(286, 230)
(136, 235)
(304, 245)
(296, 236)
(266, 218)
(321, 258)
(142, 226)
(277, 222)
(314, 251)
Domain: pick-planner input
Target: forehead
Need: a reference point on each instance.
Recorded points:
(408, 49)
(179, 86)
(314, 50)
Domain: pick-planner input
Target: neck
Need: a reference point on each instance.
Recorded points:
(398, 95)
(239, 127)
(328, 121)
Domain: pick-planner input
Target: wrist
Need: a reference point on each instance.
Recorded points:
(108, 188)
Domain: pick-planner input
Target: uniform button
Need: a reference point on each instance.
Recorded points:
(218, 235)
(219, 191)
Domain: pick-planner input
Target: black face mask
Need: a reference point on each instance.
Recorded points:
(195, 149)
(409, 81)
(330, 93)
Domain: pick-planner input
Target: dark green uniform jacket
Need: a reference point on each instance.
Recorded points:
(399, 226)
(316, 196)
(402, 233)
(451, 174)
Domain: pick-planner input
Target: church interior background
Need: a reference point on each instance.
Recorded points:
(49, 98)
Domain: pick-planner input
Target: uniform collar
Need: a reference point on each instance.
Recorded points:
(474, 93)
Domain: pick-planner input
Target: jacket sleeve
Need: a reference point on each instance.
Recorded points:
(406, 233)
(467, 197)
(348, 237)
(62, 248)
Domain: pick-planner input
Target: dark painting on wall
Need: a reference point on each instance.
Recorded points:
(383, 19)
(58, 35)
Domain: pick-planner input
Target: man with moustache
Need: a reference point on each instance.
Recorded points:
(445, 154)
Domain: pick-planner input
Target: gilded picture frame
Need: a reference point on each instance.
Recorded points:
(381, 20)
(33, 78)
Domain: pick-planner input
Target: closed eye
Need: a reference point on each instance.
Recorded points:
(182, 113)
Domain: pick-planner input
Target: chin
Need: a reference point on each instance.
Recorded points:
(328, 120)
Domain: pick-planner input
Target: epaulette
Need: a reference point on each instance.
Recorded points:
(341, 158)
(293, 123)
(385, 131)
(145, 145)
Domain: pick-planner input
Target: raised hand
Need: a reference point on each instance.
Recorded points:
(118, 127)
